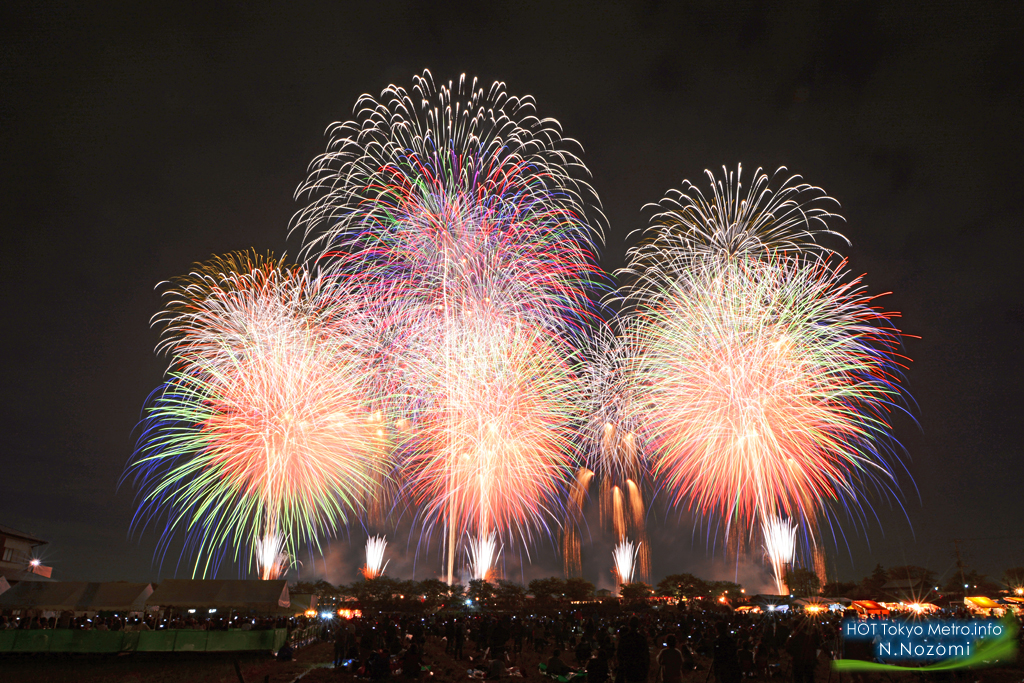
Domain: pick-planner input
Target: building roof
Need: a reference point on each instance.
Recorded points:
(902, 584)
(8, 531)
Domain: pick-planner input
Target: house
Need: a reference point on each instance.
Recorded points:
(16, 561)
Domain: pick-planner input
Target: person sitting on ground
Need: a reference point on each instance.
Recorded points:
(412, 662)
(583, 652)
(286, 653)
(556, 667)
(597, 668)
(496, 670)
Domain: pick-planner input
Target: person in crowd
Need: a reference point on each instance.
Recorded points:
(412, 662)
(670, 662)
(803, 646)
(556, 666)
(597, 667)
(634, 654)
(726, 665)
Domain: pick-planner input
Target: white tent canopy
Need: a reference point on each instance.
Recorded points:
(77, 596)
(264, 596)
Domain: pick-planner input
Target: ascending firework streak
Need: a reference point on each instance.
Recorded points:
(260, 436)
(624, 556)
(771, 375)
(459, 213)
(375, 564)
(779, 547)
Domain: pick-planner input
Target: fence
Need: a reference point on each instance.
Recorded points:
(178, 640)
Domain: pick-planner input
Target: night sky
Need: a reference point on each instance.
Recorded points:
(137, 140)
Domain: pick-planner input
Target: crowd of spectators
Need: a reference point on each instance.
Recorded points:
(657, 645)
(151, 622)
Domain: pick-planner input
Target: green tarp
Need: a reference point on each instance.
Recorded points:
(64, 640)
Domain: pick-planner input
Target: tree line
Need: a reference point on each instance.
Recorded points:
(388, 593)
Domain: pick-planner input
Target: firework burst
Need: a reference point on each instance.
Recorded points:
(611, 431)
(690, 230)
(462, 215)
(496, 440)
(770, 384)
(261, 437)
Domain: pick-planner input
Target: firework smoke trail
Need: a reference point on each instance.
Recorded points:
(456, 207)
(375, 564)
(572, 561)
(624, 557)
(779, 547)
(771, 381)
(259, 437)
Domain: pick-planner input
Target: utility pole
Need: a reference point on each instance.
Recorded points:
(960, 564)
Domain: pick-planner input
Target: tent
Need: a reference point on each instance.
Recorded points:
(248, 595)
(76, 596)
(977, 604)
(869, 607)
(15, 576)
(300, 604)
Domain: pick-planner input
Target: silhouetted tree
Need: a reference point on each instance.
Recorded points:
(480, 591)
(578, 589)
(839, 589)
(802, 582)
(631, 593)
(682, 586)
(547, 591)
(1013, 578)
(509, 595)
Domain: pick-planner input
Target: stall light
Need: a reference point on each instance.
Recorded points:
(191, 611)
(212, 610)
